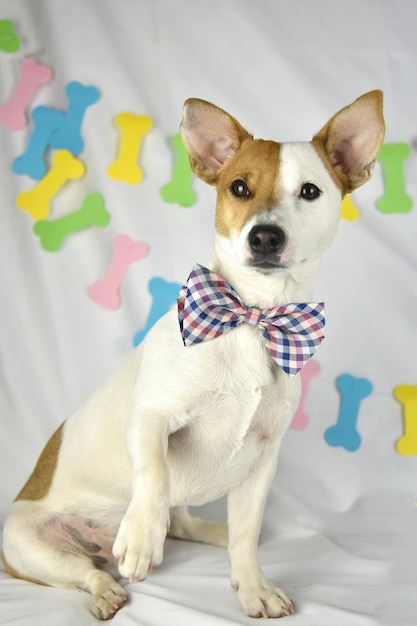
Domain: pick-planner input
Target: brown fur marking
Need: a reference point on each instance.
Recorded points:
(39, 482)
(248, 165)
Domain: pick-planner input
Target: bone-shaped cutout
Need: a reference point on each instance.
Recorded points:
(31, 76)
(69, 136)
(344, 433)
(407, 397)
(132, 128)
(92, 213)
(179, 189)
(310, 370)
(106, 292)
(349, 211)
(37, 201)
(164, 295)
(9, 41)
(31, 162)
(395, 198)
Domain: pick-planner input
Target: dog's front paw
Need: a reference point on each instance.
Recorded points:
(139, 545)
(263, 600)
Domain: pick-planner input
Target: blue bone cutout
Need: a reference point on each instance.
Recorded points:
(46, 121)
(163, 294)
(344, 433)
(69, 136)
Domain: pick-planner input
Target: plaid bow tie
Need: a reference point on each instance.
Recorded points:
(209, 306)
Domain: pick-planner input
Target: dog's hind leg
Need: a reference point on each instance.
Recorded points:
(191, 528)
(29, 555)
(75, 571)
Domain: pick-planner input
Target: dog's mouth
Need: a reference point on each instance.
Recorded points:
(267, 266)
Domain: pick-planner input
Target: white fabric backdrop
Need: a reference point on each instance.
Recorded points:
(340, 526)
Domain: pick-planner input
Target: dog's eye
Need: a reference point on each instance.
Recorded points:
(239, 189)
(309, 191)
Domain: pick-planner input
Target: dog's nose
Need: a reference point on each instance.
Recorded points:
(266, 239)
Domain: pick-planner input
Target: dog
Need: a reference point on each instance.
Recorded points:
(181, 425)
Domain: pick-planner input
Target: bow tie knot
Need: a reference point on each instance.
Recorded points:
(253, 316)
(208, 306)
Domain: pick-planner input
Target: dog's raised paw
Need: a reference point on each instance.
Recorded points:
(106, 603)
(264, 601)
(139, 549)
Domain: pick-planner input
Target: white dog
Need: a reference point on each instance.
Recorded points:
(182, 425)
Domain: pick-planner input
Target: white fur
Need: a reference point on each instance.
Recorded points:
(180, 426)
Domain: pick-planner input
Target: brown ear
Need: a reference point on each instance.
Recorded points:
(352, 139)
(211, 137)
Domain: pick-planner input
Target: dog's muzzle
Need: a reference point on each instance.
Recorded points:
(266, 242)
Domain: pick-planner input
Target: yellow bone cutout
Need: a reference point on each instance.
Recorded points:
(132, 128)
(36, 201)
(407, 397)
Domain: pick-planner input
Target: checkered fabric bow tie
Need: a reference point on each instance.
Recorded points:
(208, 306)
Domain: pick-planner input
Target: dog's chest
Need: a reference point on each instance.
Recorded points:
(234, 419)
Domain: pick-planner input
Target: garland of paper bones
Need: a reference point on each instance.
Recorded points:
(63, 132)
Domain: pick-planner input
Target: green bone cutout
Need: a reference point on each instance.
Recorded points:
(9, 41)
(53, 232)
(179, 190)
(395, 199)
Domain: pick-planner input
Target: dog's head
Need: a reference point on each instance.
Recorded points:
(278, 205)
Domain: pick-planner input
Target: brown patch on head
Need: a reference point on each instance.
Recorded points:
(12, 572)
(257, 164)
(40, 480)
(221, 152)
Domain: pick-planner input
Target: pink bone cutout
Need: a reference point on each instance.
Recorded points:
(309, 371)
(31, 75)
(106, 292)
